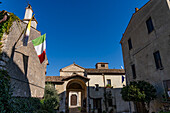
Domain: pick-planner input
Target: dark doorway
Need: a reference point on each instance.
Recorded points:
(97, 105)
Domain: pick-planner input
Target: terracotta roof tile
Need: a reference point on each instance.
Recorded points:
(54, 78)
(116, 71)
(75, 75)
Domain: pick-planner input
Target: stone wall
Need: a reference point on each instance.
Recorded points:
(22, 63)
(121, 105)
(144, 44)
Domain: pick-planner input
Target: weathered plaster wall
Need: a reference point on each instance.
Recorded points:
(116, 80)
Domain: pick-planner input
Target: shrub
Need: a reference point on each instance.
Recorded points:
(141, 93)
(25, 105)
(5, 92)
(51, 99)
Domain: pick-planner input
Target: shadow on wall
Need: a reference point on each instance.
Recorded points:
(19, 81)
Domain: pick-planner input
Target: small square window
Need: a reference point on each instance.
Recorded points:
(149, 25)
(108, 81)
(102, 65)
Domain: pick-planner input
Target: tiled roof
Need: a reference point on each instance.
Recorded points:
(61, 79)
(75, 75)
(114, 71)
(54, 78)
(102, 63)
(29, 6)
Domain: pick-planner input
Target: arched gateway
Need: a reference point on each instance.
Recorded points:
(76, 92)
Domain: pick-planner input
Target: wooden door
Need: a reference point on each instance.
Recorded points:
(74, 100)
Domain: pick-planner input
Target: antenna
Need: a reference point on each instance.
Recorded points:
(27, 2)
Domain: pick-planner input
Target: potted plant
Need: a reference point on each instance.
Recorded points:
(108, 86)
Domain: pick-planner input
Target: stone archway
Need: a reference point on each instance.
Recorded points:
(76, 94)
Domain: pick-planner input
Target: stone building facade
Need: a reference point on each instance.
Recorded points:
(22, 63)
(93, 90)
(146, 49)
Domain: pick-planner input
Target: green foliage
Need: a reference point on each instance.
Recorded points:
(25, 105)
(51, 99)
(6, 25)
(108, 86)
(140, 91)
(41, 111)
(5, 92)
(79, 108)
(164, 112)
(9, 104)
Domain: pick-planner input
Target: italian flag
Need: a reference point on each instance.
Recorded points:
(40, 47)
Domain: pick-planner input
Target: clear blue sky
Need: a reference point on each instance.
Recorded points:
(80, 31)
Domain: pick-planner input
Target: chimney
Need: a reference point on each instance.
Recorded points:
(136, 10)
(28, 16)
(102, 65)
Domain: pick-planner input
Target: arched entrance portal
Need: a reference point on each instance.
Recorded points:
(76, 94)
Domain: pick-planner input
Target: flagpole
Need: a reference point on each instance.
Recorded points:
(27, 32)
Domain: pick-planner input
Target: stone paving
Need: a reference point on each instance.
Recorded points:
(75, 110)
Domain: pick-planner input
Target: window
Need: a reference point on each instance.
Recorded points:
(96, 103)
(130, 44)
(167, 88)
(149, 25)
(108, 81)
(97, 87)
(133, 71)
(25, 61)
(102, 65)
(110, 102)
(157, 58)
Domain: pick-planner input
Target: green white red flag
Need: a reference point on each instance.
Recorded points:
(40, 47)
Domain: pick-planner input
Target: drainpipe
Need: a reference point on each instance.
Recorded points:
(88, 98)
(105, 92)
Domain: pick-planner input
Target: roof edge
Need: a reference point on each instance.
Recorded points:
(131, 19)
(61, 70)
